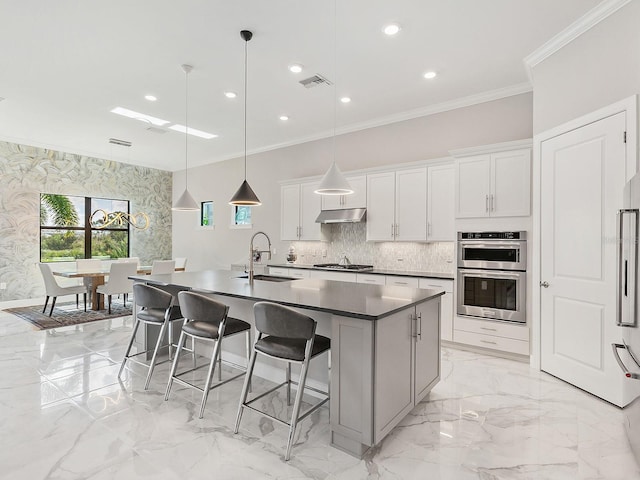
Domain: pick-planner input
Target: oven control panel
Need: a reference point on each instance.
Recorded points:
(492, 235)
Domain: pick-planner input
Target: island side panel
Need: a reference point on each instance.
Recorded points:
(351, 412)
(427, 348)
(393, 392)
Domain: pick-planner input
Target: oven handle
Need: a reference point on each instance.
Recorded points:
(491, 244)
(490, 273)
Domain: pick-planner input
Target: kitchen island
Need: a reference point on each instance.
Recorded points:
(385, 343)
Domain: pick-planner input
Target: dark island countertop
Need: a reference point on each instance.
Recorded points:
(364, 301)
(375, 271)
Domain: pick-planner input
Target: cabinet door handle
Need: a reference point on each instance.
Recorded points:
(420, 326)
(493, 208)
(490, 329)
(393, 230)
(400, 283)
(486, 341)
(397, 230)
(486, 203)
(428, 229)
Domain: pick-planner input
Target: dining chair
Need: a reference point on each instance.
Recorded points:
(88, 265)
(135, 260)
(119, 282)
(181, 263)
(159, 267)
(54, 290)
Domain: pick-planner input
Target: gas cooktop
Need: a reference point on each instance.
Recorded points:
(337, 266)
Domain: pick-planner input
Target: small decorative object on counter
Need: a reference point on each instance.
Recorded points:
(291, 256)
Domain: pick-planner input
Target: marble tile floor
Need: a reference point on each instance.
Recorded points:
(64, 415)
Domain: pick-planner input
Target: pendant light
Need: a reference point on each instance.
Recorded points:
(334, 182)
(245, 196)
(186, 201)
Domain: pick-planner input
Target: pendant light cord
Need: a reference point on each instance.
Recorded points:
(186, 128)
(335, 75)
(246, 47)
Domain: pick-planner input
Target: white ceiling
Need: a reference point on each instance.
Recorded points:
(66, 64)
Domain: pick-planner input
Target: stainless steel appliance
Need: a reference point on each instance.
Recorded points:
(626, 350)
(492, 275)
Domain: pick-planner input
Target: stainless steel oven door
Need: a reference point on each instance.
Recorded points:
(501, 255)
(492, 294)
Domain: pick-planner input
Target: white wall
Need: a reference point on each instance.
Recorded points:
(412, 140)
(598, 68)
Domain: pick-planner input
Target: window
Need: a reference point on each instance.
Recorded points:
(241, 216)
(206, 214)
(66, 234)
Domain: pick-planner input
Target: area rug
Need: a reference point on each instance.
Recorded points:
(67, 314)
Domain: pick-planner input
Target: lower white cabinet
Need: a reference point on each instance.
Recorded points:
(402, 281)
(407, 363)
(289, 272)
(370, 278)
(446, 304)
(506, 337)
(331, 275)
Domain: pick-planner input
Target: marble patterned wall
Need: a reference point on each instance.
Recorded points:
(26, 171)
(350, 239)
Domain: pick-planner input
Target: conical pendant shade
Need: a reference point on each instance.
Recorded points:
(245, 196)
(334, 183)
(186, 202)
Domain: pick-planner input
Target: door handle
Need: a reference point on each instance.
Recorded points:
(544, 284)
(627, 373)
(393, 230)
(486, 203)
(491, 205)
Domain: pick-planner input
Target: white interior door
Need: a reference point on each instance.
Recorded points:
(582, 182)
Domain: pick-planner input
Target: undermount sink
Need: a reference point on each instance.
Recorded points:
(270, 278)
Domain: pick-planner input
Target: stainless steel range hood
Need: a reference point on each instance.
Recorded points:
(347, 215)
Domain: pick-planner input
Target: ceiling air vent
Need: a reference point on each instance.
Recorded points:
(314, 81)
(116, 141)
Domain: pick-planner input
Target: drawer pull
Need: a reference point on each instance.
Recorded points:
(490, 329)
(400, 283)
(487, 341)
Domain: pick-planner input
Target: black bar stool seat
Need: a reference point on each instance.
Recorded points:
(291, 348)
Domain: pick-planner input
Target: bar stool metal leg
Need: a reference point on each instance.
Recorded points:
(245, 387)
(152, 366)
(136, 324)
(174, 365)
(212, 366)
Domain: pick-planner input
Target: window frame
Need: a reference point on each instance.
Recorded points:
(87, 229)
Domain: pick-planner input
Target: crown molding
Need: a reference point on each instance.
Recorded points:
(573, 31)
(468, 101)
(493, 148)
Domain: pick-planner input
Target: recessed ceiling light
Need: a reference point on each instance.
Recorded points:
(284, 118)
(295, 68)
(139, 116)
(430, 75)
(345, 99)
(151, 98)
(391, 29)
(192, 131)
(230, 94)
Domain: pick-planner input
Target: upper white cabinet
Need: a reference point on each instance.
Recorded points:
(397, 206)
(494, 184)
(299, 208)
(358, 199)
(440, 203)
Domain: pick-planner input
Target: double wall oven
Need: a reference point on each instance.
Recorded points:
(492, 275)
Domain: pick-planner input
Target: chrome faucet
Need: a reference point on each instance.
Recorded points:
(256, 254)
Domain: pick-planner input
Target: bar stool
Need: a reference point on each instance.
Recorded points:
(290, 336)
(157, 309)
(206, 319)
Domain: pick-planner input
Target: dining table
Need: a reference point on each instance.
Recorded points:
(94, 278)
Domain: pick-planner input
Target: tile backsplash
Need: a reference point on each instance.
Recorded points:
(350, 239)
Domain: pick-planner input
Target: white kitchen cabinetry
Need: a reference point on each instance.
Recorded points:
(506, 337)
(407, 363)
(332, 275)
(299, 207)
(446, 304)
(494, 184)
(358, 199)
(289, 272)
(397, 206)
(440, 203)
(370, 279)
(402, 281)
